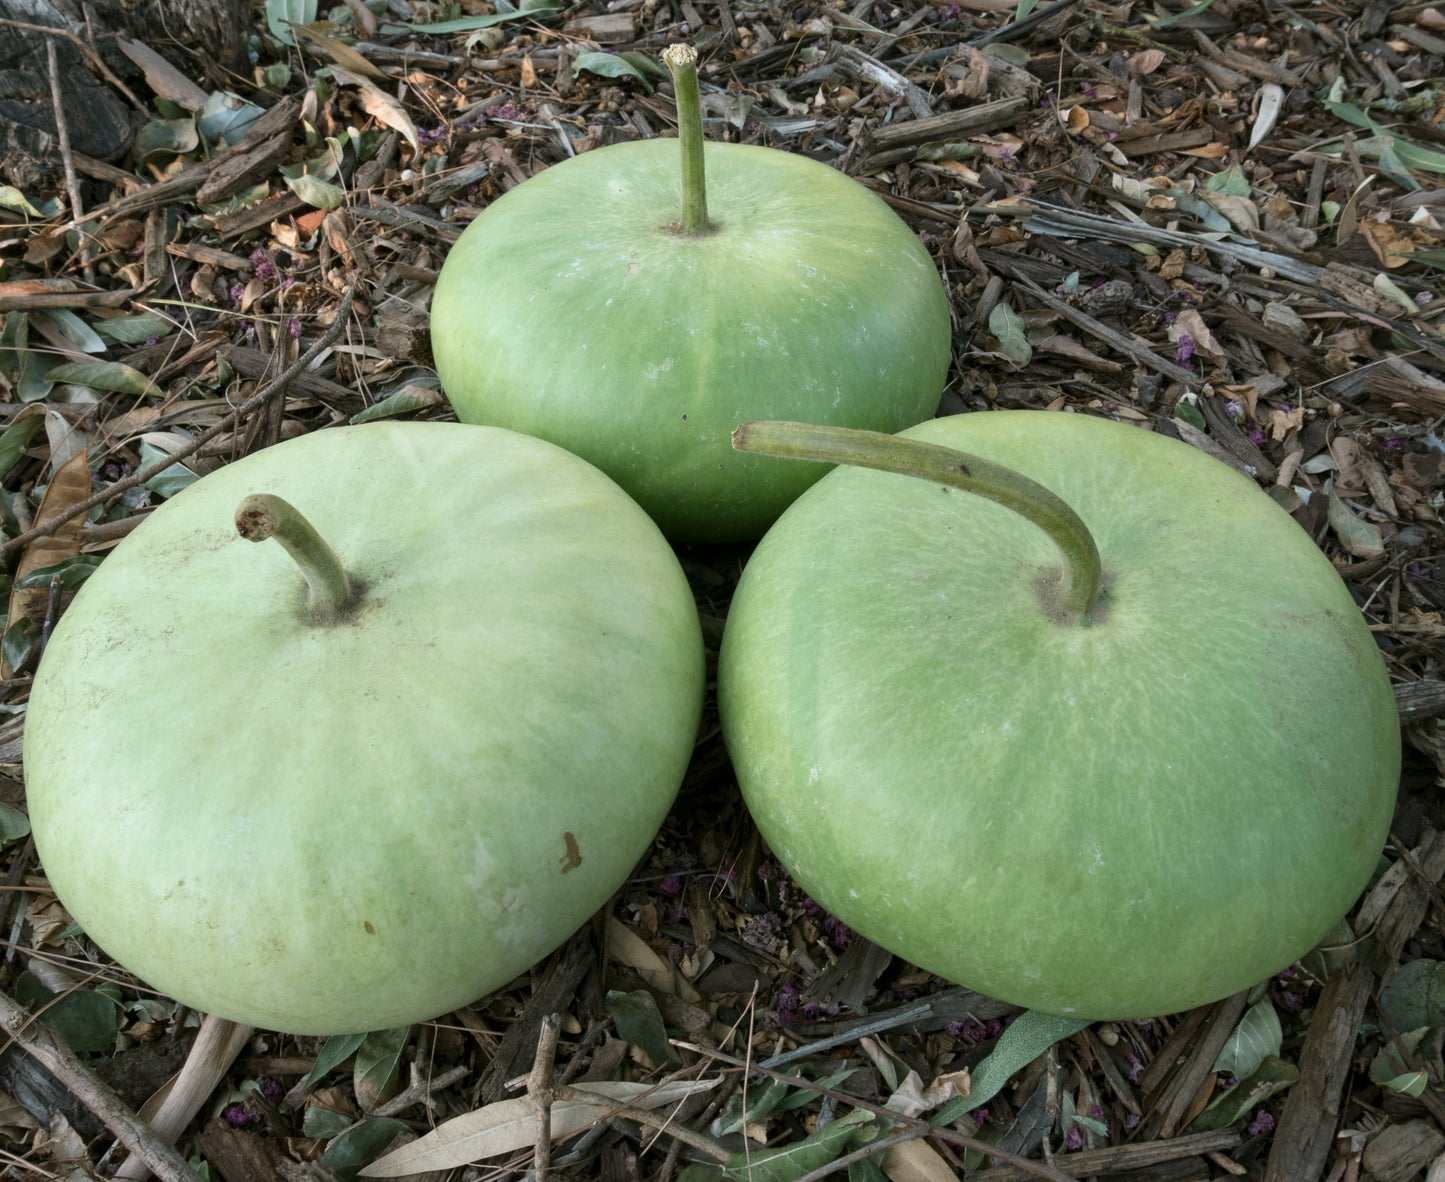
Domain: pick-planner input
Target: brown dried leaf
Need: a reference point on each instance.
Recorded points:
(68, 487)
(1146, 62)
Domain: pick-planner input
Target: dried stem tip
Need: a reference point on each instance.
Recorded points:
(261, 516)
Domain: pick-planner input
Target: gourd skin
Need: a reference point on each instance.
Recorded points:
(1113, 820)
(570, 311)
(328, 829)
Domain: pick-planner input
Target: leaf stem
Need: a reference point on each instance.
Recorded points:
(681, 60)
(261, 516)
(1078, 590)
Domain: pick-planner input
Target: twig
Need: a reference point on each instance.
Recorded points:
(539, 1087)
(926, 1128)
(138, 1137)
(869, 1150)
(419, 1091)
(698, 1141)
(62, 137)
(255, 402)
(215, 1049)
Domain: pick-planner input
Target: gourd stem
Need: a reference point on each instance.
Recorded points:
(681, 60)
(1078, 589)
(262, 516)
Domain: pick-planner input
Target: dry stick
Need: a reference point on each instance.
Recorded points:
(215, 1049)
(62, 135)
(924, 1127)
(255, 402)
(41, 1042)
(698, 1141)
(539, 1087)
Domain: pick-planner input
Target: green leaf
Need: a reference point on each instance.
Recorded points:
(76, 331)
(535, 9)
(133, 329)
(1271, 1076)
(1008, 327)
(1230, 181)
(227, 117)
(323, 1124)
(315, 192)
(87, 1021)
(334, 1052)
(105, 375)
(608, 65)
(166, 137)
(72, 572)
(1028, 1036)
(1415, 996)
(378, 1062)
(1257, 1036)
(13, 825)
(787, 1163)
(1191, 414)
(1392, 1064)
(15, 439)
(13, 198)
(762, 1101)
(408, 400)
(172, 480)
(1410, 1084)
(20, 642)
(639, 1022)
(1164, 22)
(361, 1144)
(800, 1096)
(281, 14)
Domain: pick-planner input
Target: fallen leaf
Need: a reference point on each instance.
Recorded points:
(509, 1125)
(917, 1161)
(69, 486)
(379, 104)
(626, 947)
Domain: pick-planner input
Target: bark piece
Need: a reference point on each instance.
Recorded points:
(1400, 1152)
(238, 1156)
(256, 155)
(1311, 1114)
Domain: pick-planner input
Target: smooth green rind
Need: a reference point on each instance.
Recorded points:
(569, 309)
(1112, 820)
(366, 823)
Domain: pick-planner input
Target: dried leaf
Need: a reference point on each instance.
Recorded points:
(917, 1161)
(509, 1125)
(1360, 538)
(1271, 101)
(340, 53)
(69, 486)
(626, 947)
(1146, 62)
(379, 104)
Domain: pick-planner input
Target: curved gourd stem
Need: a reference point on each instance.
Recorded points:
(1078, 590)
(681, 61)
(262, 516)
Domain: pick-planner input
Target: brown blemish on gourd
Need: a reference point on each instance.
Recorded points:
(573, 857)
(370, 927)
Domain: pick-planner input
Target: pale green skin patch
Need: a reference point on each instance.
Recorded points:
(1115, 819)
(355, 826)
(570, 310)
